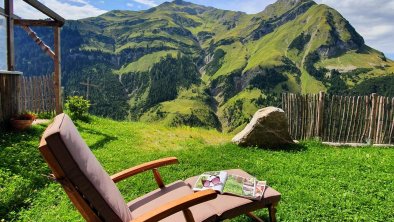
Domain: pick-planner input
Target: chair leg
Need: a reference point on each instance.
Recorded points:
(272, 212)
(188, 215)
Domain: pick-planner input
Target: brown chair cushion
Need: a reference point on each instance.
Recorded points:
(159, 197)
(227, 206)
(84, 171)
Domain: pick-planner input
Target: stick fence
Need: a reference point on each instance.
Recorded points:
(342, 119)
(37, 94)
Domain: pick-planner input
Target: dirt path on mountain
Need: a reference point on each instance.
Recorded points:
(308, 48)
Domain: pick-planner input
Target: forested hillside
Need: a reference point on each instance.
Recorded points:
(182, 63)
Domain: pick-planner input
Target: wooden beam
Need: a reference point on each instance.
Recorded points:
(39, 42)
(9, 10)
(30, 22)
(47, 11)
(57, 68)
(88, 85)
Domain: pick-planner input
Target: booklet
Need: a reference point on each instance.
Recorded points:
(231, 184)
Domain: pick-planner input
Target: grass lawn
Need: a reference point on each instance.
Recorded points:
(317, 182)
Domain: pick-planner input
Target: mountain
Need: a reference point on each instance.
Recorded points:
(187, 64)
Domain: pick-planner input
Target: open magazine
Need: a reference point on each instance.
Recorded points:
(236, 185)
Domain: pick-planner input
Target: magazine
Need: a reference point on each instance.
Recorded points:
(231, 184)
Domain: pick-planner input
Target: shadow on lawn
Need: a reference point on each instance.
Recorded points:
(21, 170)
(99, 143)
(292, 148)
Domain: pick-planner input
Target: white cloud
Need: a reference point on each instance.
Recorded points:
(151, 3)
(79, 1)
(129, 5)
(372, 19)
(67, 9)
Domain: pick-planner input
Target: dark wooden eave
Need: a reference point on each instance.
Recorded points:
(30, 22)
(47, 11)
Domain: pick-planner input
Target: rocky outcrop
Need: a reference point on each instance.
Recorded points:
(267, 129)
(269, 26)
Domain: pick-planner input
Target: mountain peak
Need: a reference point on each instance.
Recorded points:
(282, 6)
(181, 2)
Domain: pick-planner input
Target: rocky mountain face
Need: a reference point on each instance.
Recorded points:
(186, 64)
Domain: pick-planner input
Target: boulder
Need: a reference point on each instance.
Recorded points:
(267, 129)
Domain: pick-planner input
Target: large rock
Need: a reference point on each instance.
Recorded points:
(268, 128)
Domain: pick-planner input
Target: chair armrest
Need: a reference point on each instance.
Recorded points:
(143, 167)
(181, 204)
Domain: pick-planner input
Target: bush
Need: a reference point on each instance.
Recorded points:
(78, 107)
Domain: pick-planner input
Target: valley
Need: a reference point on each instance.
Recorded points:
(185, 64)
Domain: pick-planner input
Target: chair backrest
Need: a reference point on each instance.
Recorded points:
(87, 184)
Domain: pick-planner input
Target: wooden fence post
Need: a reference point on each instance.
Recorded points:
(372, 122)
(57, 68)
(320, 114)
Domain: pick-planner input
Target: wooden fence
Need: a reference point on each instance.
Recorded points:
(37, 94)
(19, 93)
(342, 119)
(9, 94)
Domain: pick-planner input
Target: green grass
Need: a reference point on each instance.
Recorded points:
(179, 111)
(309, 84)
(145, 63)
(235, 59)
(317, 182)
(353, 59)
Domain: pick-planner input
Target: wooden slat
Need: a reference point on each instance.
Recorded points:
(391, 135)
(298, 120)
(372, 129)
(357, 119)
(331, 119)
(378, 116)
(361, 120)
(31, 22)
(386, 127)
(346, 122)
(367, 115)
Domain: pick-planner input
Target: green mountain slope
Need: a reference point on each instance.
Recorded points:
(182, 63)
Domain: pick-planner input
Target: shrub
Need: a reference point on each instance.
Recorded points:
(46, 115)
(77, 106)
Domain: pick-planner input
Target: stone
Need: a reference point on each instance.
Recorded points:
(267, 129)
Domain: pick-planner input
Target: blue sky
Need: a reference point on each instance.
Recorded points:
(373, 21)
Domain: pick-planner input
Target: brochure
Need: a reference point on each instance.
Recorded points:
(231, 184)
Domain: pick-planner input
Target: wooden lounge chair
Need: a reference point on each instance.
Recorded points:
(97, 198)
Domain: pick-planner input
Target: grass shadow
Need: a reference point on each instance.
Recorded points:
(99, 143)
(21, 170)
(292, 148)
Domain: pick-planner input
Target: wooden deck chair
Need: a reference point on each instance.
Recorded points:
(97, 198)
